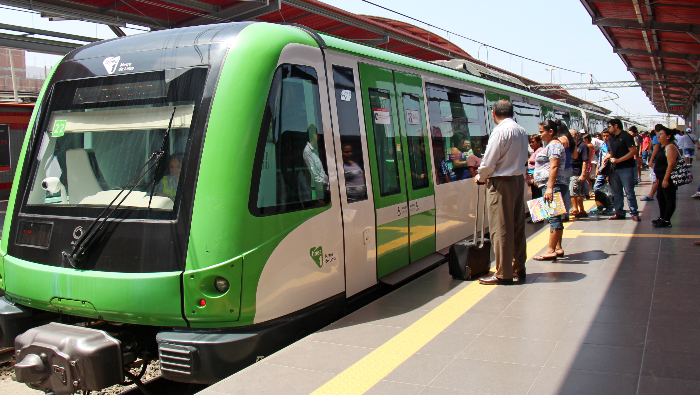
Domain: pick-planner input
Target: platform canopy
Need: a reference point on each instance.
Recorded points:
(659, 43)
(388, 34)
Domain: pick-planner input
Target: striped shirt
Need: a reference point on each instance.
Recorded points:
(506, 153)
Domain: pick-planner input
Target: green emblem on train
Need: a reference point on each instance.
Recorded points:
(316, 254)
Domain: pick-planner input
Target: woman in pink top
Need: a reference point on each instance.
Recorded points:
(536, 145)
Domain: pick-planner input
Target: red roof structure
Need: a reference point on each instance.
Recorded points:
(392, 35)
(659, 43)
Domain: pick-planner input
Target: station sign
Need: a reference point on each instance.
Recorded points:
(676, 106)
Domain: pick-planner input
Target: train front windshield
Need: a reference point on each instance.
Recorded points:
(99, 132)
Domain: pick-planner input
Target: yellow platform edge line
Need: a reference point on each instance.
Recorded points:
(642, 235)
(368, 371)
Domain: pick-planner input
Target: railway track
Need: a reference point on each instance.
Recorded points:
(159, 386)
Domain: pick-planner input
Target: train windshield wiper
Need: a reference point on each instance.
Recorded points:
(162, 149)
(77, 256)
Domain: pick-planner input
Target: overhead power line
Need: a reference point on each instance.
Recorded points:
(470, 39)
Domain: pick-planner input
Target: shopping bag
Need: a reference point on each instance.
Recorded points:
(541, 210)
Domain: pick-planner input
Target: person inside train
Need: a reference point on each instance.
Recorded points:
(417, 157)
(312, 159)
(168, 184)
(294, 182)
(459, 153)
(355, 183)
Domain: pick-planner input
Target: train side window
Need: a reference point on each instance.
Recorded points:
(528, 116)
(458, 131)
(290, 171)
(350, 140)
(416, 142)
(384, 142)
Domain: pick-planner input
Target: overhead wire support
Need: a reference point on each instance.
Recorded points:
(602, 85)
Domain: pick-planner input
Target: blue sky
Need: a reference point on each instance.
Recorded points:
(558, 32)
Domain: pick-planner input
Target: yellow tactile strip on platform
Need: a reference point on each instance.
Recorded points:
(371, 369)
(365, 373)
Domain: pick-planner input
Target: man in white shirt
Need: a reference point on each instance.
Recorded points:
(312, 160)
(503, 167)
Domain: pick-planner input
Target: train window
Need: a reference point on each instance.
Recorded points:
(416, 142)
(290, 170)
(350, 141)
(458, 131)
(384, 142)
(100, 131)
(528, 116)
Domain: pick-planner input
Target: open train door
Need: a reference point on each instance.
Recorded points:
(403, 189)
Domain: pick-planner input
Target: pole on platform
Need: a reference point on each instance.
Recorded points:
(12, 75)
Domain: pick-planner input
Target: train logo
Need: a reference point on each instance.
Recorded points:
(316, 254)
(111, 64)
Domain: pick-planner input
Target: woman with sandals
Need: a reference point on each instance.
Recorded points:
(550, 177)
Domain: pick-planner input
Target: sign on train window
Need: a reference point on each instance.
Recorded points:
(290, 172)
(350, 140)
(458, 131)
(384, 142)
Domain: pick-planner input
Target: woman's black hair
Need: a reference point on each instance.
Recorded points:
(563, 131)
(670, 132)
(549, 125)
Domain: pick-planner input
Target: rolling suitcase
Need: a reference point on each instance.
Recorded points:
(471, 258)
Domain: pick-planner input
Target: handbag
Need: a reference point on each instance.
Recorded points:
(681, 174)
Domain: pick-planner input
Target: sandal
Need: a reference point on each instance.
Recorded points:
(545, 258)
(560, 253)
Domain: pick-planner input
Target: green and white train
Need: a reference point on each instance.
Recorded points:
(208, 195)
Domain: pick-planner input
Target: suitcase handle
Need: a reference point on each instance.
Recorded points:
(483, 217)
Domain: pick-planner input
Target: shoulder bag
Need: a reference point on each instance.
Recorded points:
(681, 174)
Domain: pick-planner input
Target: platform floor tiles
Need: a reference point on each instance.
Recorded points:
(620, 314)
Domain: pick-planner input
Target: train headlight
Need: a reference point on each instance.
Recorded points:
(221, 284)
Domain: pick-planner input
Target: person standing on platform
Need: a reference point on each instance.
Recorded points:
(503, 168)
(578, 187)
(655, 147)
(564, 136)
(550, 176)
(536, 145)
(638, 157)
(688, 147)
(665, 161)
(622, 153)
(646, 148)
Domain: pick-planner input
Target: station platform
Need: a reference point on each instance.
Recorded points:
(619, 314)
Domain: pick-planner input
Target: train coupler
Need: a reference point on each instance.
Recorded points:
(64, 359)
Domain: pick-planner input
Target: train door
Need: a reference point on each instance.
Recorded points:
(388, 113)
(353, 174)
(420, 191)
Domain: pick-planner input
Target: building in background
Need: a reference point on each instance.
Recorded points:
(27, 80)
